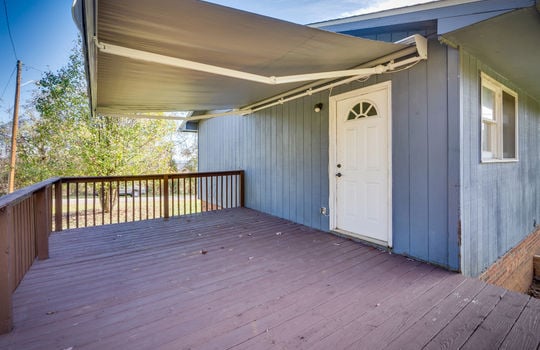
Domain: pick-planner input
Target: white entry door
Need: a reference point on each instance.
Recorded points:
(361, 169)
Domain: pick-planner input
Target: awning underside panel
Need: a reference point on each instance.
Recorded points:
(129, 86)
(209, 34)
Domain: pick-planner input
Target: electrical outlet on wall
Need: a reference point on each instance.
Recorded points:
(324, 211)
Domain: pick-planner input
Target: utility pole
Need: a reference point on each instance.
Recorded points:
(15, 129)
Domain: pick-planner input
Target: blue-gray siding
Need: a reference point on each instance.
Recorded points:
(500, 200)
(284, 151)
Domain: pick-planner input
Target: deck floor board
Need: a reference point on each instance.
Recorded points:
(262, 283)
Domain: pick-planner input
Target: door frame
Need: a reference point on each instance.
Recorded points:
(332, 157)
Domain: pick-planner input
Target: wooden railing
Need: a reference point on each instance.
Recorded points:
(28, 216)
(94, 201)
(25, 226)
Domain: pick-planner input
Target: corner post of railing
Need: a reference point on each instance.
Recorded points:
(166, 196)
(42, 222)
(242, 199)
(6, 231)
(58, 205)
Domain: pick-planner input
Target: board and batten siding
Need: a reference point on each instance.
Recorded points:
(499, 200)
(284, 152)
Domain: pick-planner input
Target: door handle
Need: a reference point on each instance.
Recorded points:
(339, 175)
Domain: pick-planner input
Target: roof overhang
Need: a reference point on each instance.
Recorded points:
(168, 55)
(509, 44)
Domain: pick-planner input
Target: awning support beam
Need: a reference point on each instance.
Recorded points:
(278, 101)
(273, 80)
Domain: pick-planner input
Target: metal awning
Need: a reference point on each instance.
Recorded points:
(168, 55)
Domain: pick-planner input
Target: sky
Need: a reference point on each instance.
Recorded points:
(44, 33)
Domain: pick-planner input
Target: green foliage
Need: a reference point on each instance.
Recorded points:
(61, 138)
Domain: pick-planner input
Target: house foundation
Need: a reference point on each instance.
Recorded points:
(515, 270)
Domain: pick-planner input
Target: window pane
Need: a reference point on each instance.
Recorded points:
(488, 103)
(509, 126)
(488, 140)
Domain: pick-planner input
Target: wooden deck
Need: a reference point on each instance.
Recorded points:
(239, 279)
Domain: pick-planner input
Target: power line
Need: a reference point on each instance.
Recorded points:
(34, 68)
(7, 84)
(9, 31)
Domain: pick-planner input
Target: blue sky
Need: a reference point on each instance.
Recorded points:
(44, 33)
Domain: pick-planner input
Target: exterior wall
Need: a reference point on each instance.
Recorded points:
(515, 270)
(499, 200)
(284, 151)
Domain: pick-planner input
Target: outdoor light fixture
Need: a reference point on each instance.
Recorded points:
(318, 107)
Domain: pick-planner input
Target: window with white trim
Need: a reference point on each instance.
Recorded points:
(499, 135)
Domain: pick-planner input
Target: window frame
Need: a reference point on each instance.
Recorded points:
(498, 120)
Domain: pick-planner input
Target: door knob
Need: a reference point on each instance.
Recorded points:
(338, 175)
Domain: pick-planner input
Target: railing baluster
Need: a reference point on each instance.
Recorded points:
(58, 206)
(146, 193)
(153, 198)
(68, 205)
(221, 191)
(101, 202)
(206, 193)
(226, 191)
(111, 201)
(41, 226)
(178, 194)
(211, 189)
(184, 194)
(192, 188)
(160, 198)
(165, 195)
(140, 199)
(18, 226)
(236, 193)
(171, 197)
(241, 189)
(94, 203)
(133, 199)
(6, 268)
(76, 204)
(85, 204)
(125, 201)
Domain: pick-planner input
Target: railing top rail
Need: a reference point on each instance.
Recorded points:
(73, 179)
(23, 193)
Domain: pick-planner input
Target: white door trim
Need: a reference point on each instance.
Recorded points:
(332, 157)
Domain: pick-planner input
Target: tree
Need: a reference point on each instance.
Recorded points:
(186, 152)
(60, 137)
